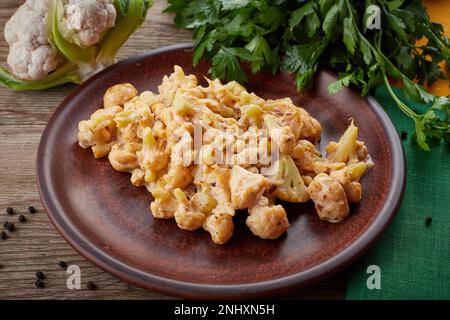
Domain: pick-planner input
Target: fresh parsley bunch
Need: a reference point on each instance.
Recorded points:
(301, 36)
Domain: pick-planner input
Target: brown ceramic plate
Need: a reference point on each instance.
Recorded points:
(107, 220)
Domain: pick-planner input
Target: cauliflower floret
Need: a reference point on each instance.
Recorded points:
(123, 156)
(228, 94)
(311, 129)
(171, 84)
(361, 154)
(251, 115)
(353, 192)
(182, 151)
(164, 205)
(352, 152)
(119, 94)
(280, 135)
(178, 176)
(153, 155)
(292, 187)
(246, 187)
(188, 216)
(287, 114)
(99, 132)
(85, 135)
(149, 98)
(215, 182)
(250, 150)
(31, 56)
(329, 198)
(353, 189)
(322, 165)
(87, 20)
(220, 226)
(267, 221)
(304, 155)
(204, 202)
(137, 177)
(342, 150)
(220, 190)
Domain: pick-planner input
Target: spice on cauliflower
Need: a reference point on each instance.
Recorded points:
(267, 221)
(220, 226)
(246, 187)
(188, 216)
(292, 187)
(329, 198)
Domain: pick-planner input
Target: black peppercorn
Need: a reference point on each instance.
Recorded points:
(39, 283)
(9, 210)
(91, 286)
(404, 135)
(62, 264)
(11, 227)
(3, 235)
(428, 220)
(22, 218)
(40, 275)
(31, 209)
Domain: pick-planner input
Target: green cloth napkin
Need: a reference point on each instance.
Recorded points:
(414, 258)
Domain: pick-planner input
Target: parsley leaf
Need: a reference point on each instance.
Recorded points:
(226, 66)
(303, 36)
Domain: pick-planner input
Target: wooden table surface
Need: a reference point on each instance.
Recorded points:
(36, 245)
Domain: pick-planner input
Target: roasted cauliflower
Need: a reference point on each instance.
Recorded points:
(267, 221)
(205, 153)
(329, 198)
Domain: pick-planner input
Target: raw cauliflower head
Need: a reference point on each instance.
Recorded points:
(31, 56)
(86, 21)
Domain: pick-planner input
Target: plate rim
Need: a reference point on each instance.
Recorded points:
(213, 291)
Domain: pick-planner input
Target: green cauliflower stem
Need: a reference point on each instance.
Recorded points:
(293, 188)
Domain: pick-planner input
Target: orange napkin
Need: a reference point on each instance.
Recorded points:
(439, 11)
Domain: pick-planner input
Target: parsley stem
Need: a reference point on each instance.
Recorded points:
(406, 110)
